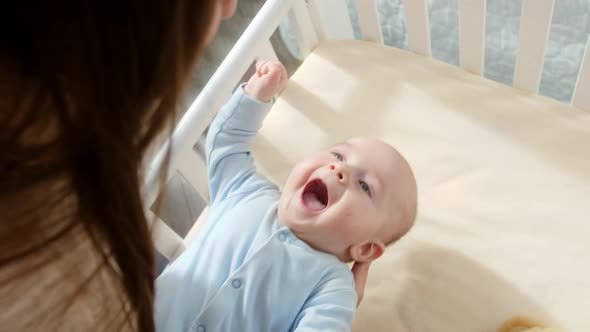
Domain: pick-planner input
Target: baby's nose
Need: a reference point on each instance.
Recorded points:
(339, 172)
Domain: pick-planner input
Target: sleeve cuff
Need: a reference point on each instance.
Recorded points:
(247, 112)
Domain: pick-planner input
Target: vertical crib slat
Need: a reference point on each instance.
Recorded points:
(534, 33)
(369, 20)
(303, 25)
(472, 23)
(332, 19)
(194, 170)
(166, 241)
(266, 51)
(581, 97)
(316, 19)
(417, 26)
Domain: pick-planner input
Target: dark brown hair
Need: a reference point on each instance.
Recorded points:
(85, 86)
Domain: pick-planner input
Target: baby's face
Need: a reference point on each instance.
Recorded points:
(350, 200)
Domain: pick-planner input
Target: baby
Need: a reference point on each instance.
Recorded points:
(272, 261)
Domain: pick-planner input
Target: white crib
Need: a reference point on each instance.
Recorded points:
(503, 173)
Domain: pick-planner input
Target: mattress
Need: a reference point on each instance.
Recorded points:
(503, 177)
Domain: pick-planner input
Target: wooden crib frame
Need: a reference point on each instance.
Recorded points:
(315, 21)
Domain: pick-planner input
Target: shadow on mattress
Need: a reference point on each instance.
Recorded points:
(422, 287)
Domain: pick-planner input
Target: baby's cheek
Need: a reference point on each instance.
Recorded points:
(299, 175)
(357, 217)
(349, 214)
(346, 218)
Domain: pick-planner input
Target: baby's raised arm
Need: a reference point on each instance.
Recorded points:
(231, 134)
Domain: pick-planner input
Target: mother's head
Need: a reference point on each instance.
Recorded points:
(85, 86)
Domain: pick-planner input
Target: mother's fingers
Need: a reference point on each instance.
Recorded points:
(360, 272)
(228, 8)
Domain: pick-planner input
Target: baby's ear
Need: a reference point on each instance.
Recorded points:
(366, 252)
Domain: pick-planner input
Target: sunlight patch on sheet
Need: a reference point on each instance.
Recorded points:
(289, 130)
(333, 76)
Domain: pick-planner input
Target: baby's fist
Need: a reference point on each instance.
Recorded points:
(269, 79)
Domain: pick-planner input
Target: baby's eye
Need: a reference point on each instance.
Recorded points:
(365, 187)
(338, 156)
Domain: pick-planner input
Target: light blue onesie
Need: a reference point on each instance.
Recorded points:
(245, 271)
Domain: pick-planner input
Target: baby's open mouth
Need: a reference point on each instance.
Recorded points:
(315, 195)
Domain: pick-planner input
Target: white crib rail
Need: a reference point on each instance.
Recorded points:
(252, 43)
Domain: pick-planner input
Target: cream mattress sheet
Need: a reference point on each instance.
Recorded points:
(504, 185)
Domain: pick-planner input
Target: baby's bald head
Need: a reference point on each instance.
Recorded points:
(404, 201)
(400, 203)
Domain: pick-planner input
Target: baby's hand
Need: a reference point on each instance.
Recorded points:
(269, 79)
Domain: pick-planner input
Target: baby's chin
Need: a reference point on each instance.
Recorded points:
(296, 225)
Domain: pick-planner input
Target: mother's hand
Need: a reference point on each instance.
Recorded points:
(360, 272)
